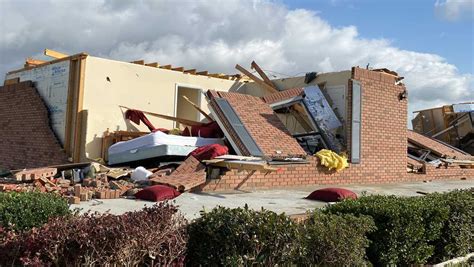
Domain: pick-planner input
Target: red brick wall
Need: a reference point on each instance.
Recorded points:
(383, 146)
(26, 139)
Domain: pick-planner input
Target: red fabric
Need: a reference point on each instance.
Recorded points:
(157, 193)
(209, 130)
(332, 194)
(136, 116)
(209, 152)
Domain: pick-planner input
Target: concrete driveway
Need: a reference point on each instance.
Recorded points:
(290, 201)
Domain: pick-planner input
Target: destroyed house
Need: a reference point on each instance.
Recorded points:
(452, 124)
(94, 108)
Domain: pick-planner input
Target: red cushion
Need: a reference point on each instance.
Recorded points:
(331, 194)
(157, 193)
(209, 152)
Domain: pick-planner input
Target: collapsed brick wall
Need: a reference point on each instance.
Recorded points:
(383, 146)
(26, 138)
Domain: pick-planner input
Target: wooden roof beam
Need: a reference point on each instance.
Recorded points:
(54, 54)
(204, 72)
(262, 74)
(139, 62)
(178, 69)
(154, 64)
(167, 67)
(255, 79)
(190, 71)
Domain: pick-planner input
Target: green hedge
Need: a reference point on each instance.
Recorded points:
(457, 236)
(378, 230)
(236, 237)
(332, 240)
(22, 211)
(415, 230)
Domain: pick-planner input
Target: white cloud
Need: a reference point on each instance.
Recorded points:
(455, 9)
(215, 36)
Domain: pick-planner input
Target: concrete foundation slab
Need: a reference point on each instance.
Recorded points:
(291, 201)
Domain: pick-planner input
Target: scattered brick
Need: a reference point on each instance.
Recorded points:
(33, 174)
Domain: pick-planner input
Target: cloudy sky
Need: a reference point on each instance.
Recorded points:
(430, 43)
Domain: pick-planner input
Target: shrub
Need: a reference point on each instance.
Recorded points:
(457, 237)
(152, 236)
(334, 240)
(406, 227)
(22, 211)
(236, 237)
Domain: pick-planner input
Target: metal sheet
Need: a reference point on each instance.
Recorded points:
(463, 107)
(356, 122)
(239, 127)
(323, 117)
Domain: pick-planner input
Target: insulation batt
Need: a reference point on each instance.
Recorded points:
(332, 160)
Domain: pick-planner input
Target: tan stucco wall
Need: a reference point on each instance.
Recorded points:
(135, 86)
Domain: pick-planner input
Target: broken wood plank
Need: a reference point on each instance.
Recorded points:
(243, 165)
(198, 109)
(139, 62)
(237, 157)
(458, 162)
(262, 74)
(54, 54)
(11, 81)
(190, 71)
(29, 62)
(166, 117)
(154, 64)
(256, 79)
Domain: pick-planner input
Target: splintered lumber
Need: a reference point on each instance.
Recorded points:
(154, 64)
(255, 79)
(262, 74)
(54, 54)
(166, 117)
(259, 165)
(33, 62)
(198, 109)
(459, 162)
(11, 81)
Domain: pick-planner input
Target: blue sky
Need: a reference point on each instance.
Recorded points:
(408, 24)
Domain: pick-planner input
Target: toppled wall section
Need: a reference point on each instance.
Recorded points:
(26, 137)
(268, 135)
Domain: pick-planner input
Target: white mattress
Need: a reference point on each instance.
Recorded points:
(160, 138)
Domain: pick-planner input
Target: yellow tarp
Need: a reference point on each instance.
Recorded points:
(332, 160)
